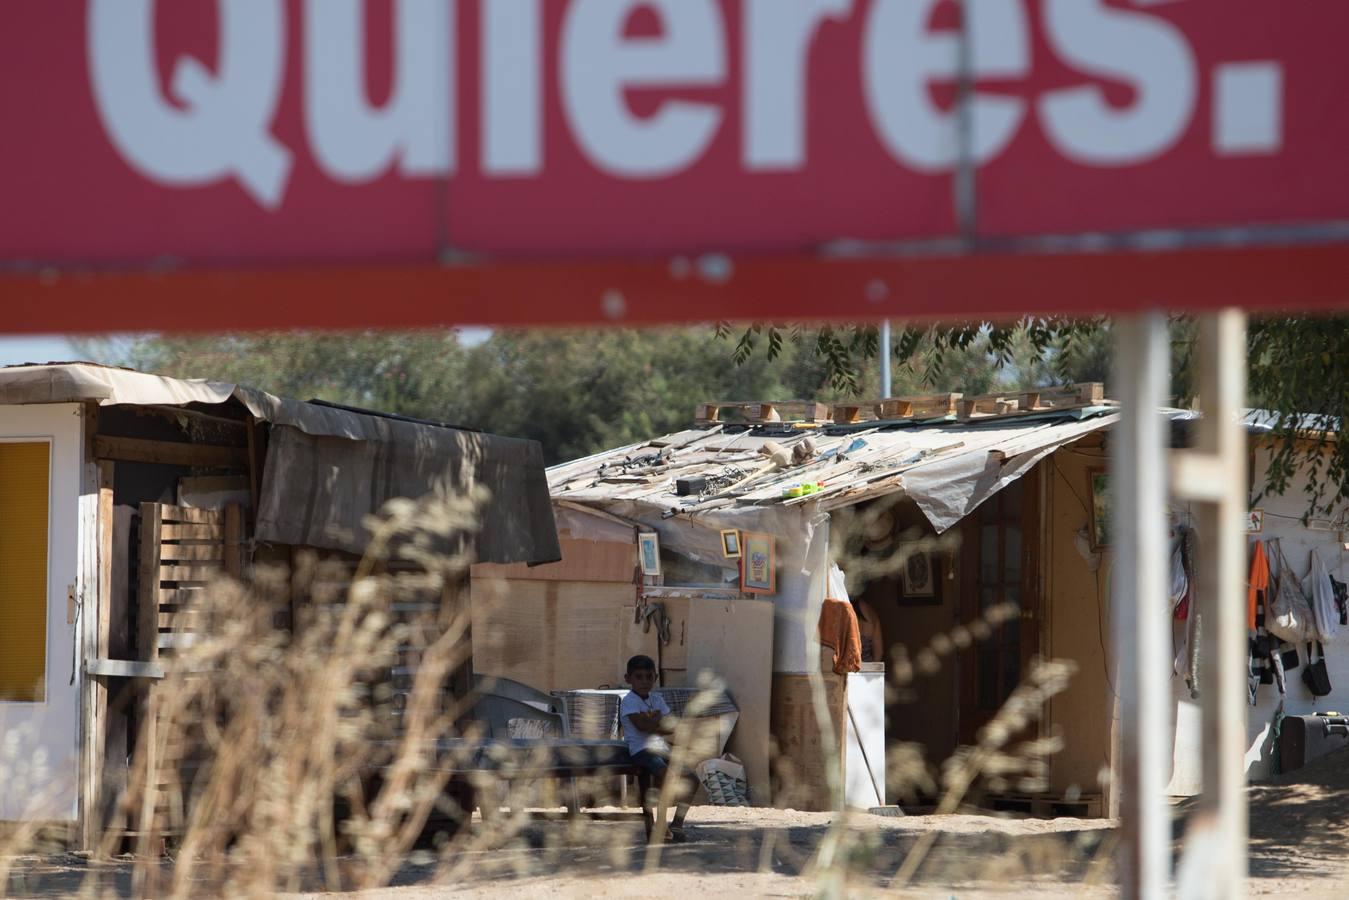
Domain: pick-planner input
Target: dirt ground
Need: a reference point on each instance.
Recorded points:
(1299, 847)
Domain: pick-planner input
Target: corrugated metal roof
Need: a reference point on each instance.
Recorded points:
(852, 463)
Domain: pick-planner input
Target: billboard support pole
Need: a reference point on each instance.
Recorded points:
(1142, 635)
(1214, 476)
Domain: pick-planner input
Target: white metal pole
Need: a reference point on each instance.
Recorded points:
(1142, 636)
(1214, 475)
(885, 358)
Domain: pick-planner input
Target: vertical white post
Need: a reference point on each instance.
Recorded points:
(1214, 475)
(885, 358)
(1139, 609)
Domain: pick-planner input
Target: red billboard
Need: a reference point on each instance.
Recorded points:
(462, 152)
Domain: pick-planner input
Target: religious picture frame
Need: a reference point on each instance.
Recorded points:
(918, 574)
(648, 553)
(758, 563)
(730, 543)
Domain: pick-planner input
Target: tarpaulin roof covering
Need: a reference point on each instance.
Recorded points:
(328, 468)
(948, 467)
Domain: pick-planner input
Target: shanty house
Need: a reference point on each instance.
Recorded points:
(939, 509)
(122, 492)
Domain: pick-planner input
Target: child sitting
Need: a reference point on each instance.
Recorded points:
(646, 717)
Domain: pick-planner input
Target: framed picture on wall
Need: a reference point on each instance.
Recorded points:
(918, 574)
(758, 563)
(1098, 489)
(648, 551)
(730, 543)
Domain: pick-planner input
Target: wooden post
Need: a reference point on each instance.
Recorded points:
(1141, 628)
(1214, 476)
(255, 465)
(234, 538)
(148, 646)
(97, 687)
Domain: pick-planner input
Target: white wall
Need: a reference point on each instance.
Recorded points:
(39, 749)
(1282, 520)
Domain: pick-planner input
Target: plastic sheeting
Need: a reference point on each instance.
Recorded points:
(952, 487)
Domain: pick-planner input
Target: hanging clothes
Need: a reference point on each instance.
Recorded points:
(1321, 593)
(1341, 598)
(1269, 657)
(838, 632)
(1186, 623)
(1180, 606)
(1259, 581)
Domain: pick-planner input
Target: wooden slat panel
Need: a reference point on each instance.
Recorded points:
(190, 514)
(170, 453)
(192, 533)
(123, 668)
(206, 551)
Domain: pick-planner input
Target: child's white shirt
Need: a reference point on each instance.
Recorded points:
(637, 739)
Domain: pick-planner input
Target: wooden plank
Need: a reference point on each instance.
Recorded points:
(98, 603)
(179, 618)
(192, 532)
(147, 649)
(190, 515)
(148, 610)
(170, 453)
(188, 552)
(123, 668)
(198, 572)
(180, 595)
(234, 538)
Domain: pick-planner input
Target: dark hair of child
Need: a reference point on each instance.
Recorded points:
(641, 663)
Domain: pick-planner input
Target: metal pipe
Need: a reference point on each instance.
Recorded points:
(885, 358)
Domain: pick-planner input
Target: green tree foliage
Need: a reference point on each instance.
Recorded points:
(973, 357)
(1299, 369)
(576, 392)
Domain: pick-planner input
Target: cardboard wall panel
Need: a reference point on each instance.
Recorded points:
(548, 634)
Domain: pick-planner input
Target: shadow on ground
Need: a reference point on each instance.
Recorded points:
(869, 850)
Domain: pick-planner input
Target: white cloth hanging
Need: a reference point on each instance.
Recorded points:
(1318, 587)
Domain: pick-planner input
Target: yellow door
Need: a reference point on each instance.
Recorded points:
(25, 473)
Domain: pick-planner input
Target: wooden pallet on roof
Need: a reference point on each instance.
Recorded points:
(758, 412)
(1009, 403)
(926, 406)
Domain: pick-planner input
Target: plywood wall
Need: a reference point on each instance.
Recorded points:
(1078, 625)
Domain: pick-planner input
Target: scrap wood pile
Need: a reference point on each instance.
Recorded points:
(797, 451)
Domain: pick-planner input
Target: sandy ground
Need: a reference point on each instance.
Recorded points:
(1299, 847)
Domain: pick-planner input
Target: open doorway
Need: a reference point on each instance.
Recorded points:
(990, 558)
